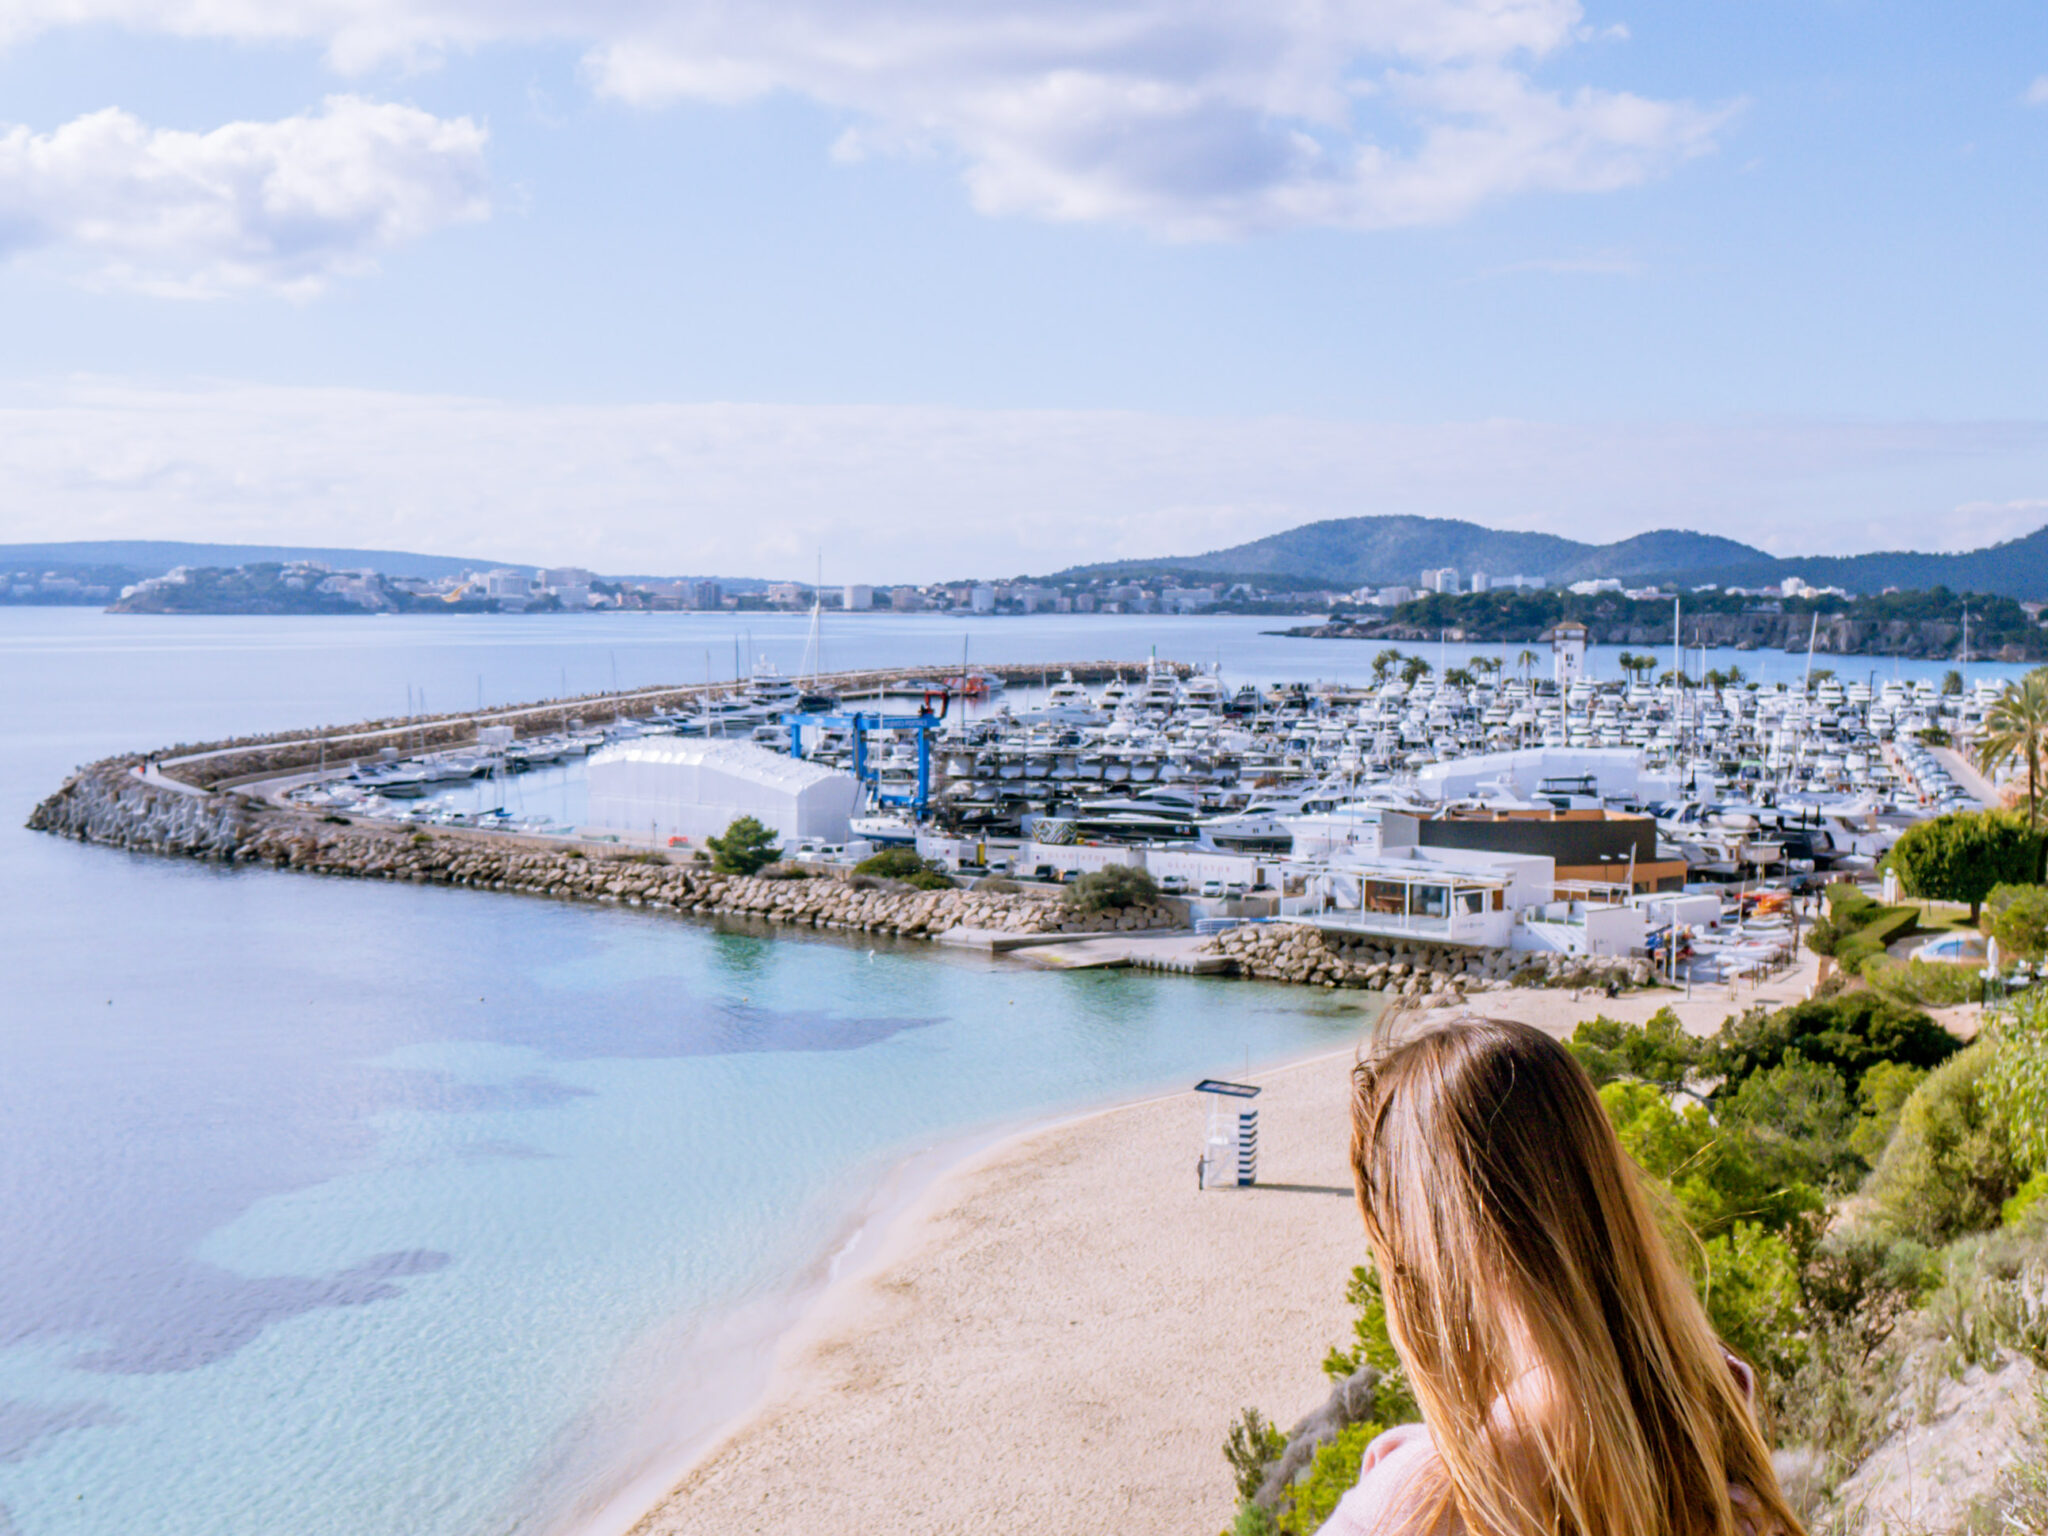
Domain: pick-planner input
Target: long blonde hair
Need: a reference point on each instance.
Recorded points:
(1567, 1371)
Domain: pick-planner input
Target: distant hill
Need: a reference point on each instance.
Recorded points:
(152, 557)
(1384, 551)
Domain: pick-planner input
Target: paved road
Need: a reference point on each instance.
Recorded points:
(1960, 770)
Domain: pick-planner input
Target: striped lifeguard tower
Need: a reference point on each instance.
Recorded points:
(1230, 1148)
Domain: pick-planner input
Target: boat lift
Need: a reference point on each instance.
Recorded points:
(859, 724)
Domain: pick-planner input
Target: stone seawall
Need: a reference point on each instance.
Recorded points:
(109, 803)
(1414, 969)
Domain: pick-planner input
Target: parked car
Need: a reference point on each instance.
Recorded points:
(1212, 890)
(1173, 885)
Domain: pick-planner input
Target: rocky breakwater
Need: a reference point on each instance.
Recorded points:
(109, 803)
(1437, 975)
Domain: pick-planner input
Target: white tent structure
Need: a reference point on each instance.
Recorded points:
(671, 787)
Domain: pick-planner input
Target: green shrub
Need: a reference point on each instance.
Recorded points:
(783, 871)
(1851, 1033)
(1110, 888)
(1799, 1121)
(1714, 1174)
(1316, 1494)
(930, 880)
(2018, 1080)
(1883, 1094)
(998, 885)
(1750, 1284)
(1253, 1445)
(1252, 1520)
(1950, 1167)
(1874, 928)
(891, 864)
(1922, 983)
(421, 839)
(2024, 1199)
(746, 848)
(1657, 1051)
(2017, 916)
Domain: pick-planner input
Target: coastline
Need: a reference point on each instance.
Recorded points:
(1071, 1173)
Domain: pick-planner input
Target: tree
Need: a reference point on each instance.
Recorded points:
(1384, 663)
(746, 848)
(2014, 727)
(1111, 887)
(1526, 663)
(1951, 683)
(1850, 1034)
(1459, 677)
(1962, 856)
(1414, 669)
(2017, 916)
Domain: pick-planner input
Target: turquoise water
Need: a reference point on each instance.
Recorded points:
(373, 1210)
(338, 1207)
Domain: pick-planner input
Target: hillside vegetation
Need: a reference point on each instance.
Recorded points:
(1379, 551)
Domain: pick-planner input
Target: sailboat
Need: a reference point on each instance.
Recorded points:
(815, 698)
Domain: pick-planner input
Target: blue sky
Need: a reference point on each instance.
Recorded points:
(992, 287)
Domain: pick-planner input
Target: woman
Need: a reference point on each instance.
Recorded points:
(1569, 1380)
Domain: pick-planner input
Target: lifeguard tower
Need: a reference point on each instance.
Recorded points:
(1230, 1147)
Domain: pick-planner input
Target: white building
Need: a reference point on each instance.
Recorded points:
(858, 599)
(983, 600)
(507, 583)
(1595, 587)
(1480, 582)
(664, 789)
(1442, 580)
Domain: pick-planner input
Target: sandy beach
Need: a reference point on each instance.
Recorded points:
(1058, 1334)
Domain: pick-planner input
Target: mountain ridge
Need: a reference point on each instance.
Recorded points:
(1395, 550)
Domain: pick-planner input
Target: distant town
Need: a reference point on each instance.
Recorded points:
(311, 586)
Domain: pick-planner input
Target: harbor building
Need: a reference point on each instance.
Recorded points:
(858, 599)
(676, 789)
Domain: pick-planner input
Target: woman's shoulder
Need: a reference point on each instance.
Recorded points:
(1379, 1502)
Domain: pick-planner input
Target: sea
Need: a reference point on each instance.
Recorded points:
(339, 1208)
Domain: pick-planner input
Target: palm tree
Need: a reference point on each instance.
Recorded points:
(2014, 727)
(1414, 669)
(1459, 677)
(1384, 663)
(1526, 662)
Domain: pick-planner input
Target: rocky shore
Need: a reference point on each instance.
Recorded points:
(1836, 635)
(1430, 975)
(109, 803)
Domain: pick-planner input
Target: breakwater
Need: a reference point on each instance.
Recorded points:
(111, 803)
(245, 759)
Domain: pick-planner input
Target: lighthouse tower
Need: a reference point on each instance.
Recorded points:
(1567, 653)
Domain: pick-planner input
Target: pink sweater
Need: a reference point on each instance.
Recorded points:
(1395, 1457)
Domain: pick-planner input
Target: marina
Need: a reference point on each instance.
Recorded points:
(1498, 823)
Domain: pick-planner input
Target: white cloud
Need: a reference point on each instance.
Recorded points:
(1191, 118)
(2037, 93)
(281, 206)
(899, 493)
